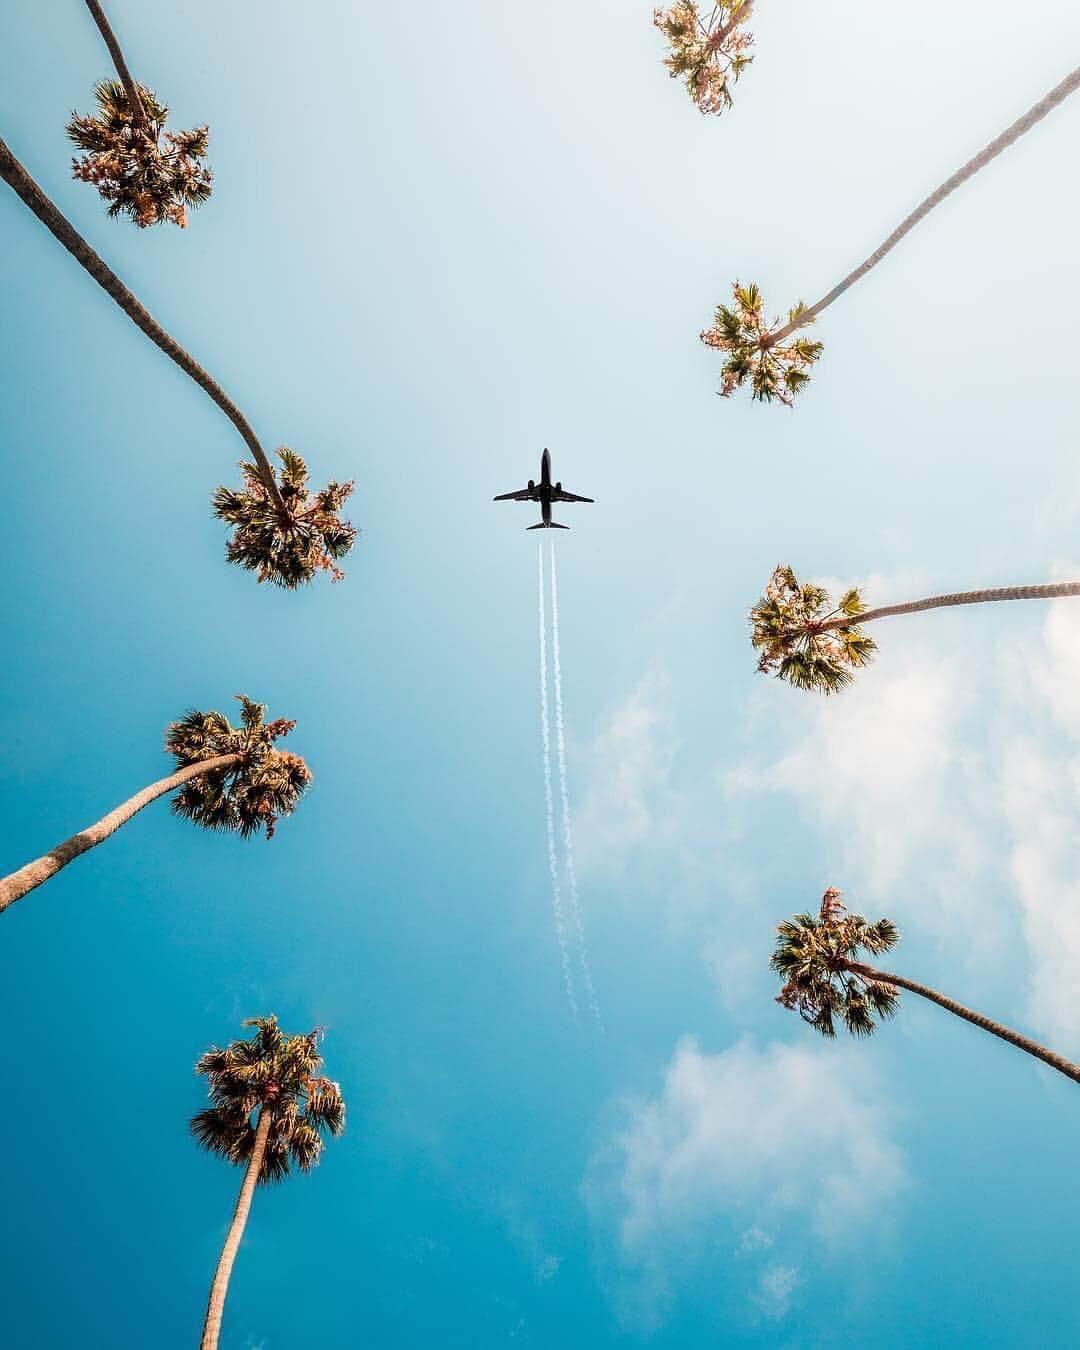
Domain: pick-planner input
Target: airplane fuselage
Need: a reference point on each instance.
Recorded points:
(544, 493)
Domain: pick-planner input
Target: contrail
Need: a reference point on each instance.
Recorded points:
(568, 837)
(553, 865)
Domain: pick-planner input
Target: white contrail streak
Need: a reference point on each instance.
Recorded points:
(568, 836)
(553, 865)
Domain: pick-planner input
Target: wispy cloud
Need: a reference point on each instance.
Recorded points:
(893, 776)
(775, 1288)
(630, 799)
(1039, 776)
(727, 1138)
(941, 788)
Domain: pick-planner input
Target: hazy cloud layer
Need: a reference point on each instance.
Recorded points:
(795, 1140)
(942, 787)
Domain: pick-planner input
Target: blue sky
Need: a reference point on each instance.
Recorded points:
(439, 240)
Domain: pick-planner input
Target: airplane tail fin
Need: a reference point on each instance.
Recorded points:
(553, 525)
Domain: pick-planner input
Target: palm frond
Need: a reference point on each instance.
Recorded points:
(273, 1072)
(816, 956)
(707, 55)
(776, 370)
(287, 547)
(246, 797)
(144, 172)
(788, 629)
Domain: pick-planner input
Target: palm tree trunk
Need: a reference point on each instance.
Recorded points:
(220, 1288)
(1013, 133)
(138, 112)
(24, 186)
(1030, 1047)
(1052, 591)
(15, 886)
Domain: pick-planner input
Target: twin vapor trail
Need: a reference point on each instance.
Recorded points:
(577, 919)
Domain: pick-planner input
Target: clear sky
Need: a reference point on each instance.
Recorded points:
(441, 238)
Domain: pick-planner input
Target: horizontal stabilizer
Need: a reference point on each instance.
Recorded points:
(549, 525)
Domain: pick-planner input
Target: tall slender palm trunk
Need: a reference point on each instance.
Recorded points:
(1051, 591)
(220, 1288)
(1013, 133)
(24, 186)
(1024, 1043)
(27, 878)
(138, 111)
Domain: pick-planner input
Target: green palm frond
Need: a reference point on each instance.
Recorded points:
(775, 370)
(305, 1146)
(246, 797)
(286, 547)
(224, 1130)
(326, 1106)
(144, 172)
(788, 630)
(814, 956)
(273, 1072)
(707, 55)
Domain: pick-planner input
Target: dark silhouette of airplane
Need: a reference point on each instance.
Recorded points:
(545, 492)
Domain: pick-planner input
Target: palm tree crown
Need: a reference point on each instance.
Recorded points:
(812, 644)
(709, 55)
(789, 628)
(139, 168)
(278, 1074)
(766, 355)
(814, 957)
(774, 369)
(286, 543)
(253, 792)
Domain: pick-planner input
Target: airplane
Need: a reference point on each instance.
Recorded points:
(545, 492)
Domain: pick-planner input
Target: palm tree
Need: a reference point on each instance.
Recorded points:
(776, 370)
(316, 535)
(813, 644)
(753, 346)
(270, 1112)
(295, 543)
(229, 778)
(142, 171)
(708, 54)
(138, 167)
(824, 982)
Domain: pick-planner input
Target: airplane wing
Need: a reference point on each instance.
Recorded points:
(523, 496)
(561, 495)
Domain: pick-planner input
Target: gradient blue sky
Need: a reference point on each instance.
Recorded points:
(442, 237)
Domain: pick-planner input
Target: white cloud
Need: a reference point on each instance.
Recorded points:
(947, 788)
(798, 1138)
(1040, 793)
(890, 773)
(720, 1135)
(775, 1288)
(629, 796)
(755, 1239)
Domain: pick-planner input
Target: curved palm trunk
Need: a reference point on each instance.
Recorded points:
(1052, 591)
(1024, 1043)
(130, 87)
(15, 886)
(1013, 133)
(220, 1288)
(24, 186)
